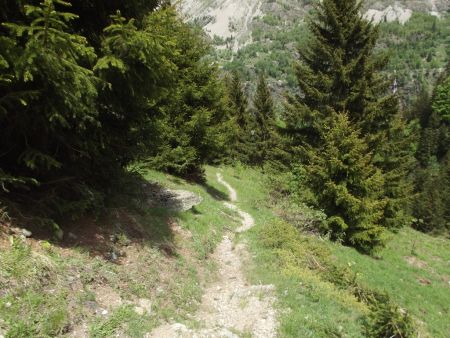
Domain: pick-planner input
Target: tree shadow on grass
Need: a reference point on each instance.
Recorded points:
(128, 218)
(215, 193)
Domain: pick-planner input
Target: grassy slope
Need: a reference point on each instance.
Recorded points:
(53, 289)
(319, 308)
(415, 270)
(46, 288)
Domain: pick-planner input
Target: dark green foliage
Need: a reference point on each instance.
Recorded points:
(194, 119)
(432, 177)
(340, 71)
(49, 114)
(431, 206)
(264, 133)
(137, 67)
(396, 159)
(237, 100)
(256, 138)
(264, 106)
(86, 90)
(346, 185)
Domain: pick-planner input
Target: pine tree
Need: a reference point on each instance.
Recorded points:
(432, 178)
(193, 115)
(73, 116)
(243, 146)
(346, 185)
(264, 133)
(238, 100)
(51, 66)
(340, 71)
(396, 159)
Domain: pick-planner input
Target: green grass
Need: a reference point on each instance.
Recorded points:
(209, 219)
(47, 289)
(315, 299)
(313, 302)
(421, 285)
(310, 307)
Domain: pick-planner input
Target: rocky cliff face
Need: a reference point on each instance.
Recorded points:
(230, 22)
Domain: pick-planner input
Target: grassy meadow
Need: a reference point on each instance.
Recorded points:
(413, 270)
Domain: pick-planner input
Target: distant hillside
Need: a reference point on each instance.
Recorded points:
(234, 20)
(264, 35)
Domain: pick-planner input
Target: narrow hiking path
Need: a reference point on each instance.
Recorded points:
(230, 307)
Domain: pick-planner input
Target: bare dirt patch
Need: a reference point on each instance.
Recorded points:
(416, 262)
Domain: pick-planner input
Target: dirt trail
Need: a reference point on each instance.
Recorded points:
(230, 306)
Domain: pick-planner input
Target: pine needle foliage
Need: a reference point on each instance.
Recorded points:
(346, 185)
(242, 145)
(50, 68)
(432, 177)
(85, 90)
(264, 128)
(340, 71)
(194, 118)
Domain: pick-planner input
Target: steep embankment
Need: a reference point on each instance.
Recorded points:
(121, 273)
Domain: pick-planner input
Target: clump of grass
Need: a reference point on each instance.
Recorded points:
(31, 314)
(123, 321)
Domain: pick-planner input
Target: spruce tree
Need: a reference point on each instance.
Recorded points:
(238, 100)
(340, 71)
(264, 122)
(346, 185)
(396, 159)
(194, 114)
(432, 178)
(243, 145)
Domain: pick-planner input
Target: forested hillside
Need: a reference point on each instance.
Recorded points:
(414, 33)
(119, 121)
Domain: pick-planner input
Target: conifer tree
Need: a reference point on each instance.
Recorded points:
(346, 185)
(340, 71)
(242, 146)
(432, 178)
(264, 122)
(51, 66)
(193, 115)
(238, 100)
(396, 159)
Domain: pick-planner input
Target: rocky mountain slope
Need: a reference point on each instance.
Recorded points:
(264, 35)
(231, 21)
